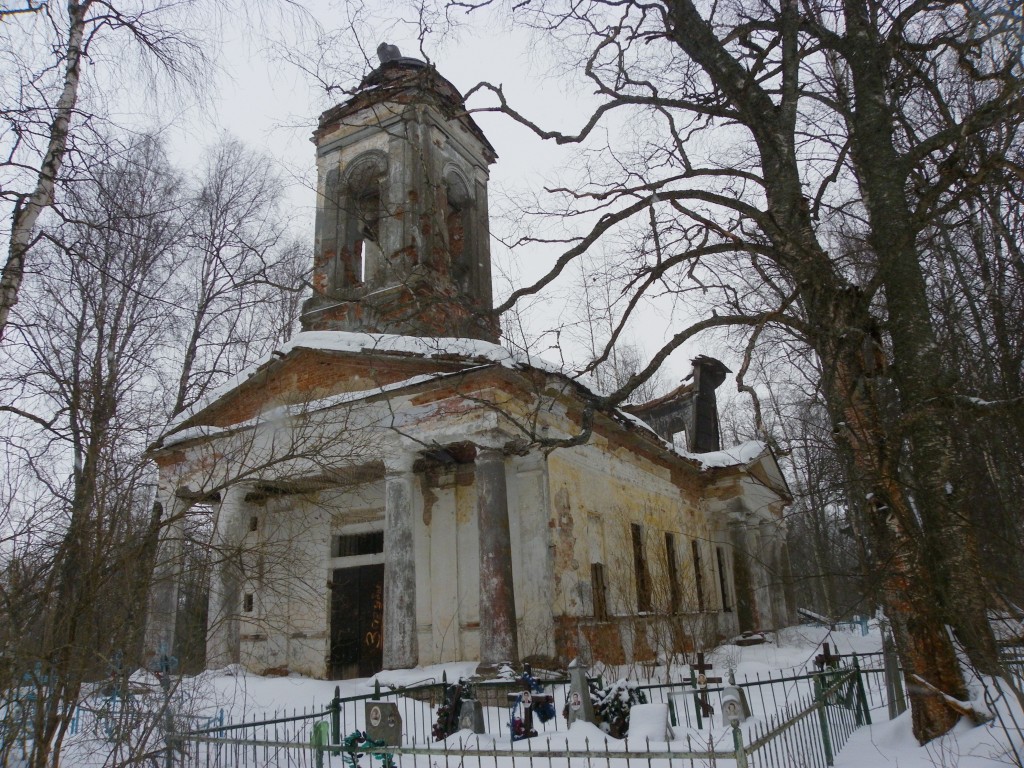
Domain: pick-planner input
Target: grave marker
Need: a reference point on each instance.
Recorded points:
(471, 716)
(579, 703)
(702, 681)
(384, 723)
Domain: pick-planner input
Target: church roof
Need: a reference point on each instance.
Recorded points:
(411, 362)
(406, 81)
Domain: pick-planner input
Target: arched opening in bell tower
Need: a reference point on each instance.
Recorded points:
(362, 214)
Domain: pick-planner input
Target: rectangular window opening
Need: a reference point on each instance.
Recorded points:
(254, 523)
(698, 574)
(247, 602)
(350, 545)
(600, 590)
(675, 589)
(723, 582)
(643, 581)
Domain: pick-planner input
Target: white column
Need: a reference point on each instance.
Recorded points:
(162, 613)
(226, 578)
(401, 648)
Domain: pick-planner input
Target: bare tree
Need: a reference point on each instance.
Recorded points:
(82, 354)
(50, 48)
(239, 289)
(780, 134)
(91, 369)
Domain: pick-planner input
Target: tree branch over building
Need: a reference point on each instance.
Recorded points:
(797, 162)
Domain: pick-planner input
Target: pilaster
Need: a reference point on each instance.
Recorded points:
(498, 636)
(401, 648)
(226, 579)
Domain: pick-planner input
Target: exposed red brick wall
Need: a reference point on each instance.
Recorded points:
(605, 638)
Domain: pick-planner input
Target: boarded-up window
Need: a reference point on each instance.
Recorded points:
(642, 578)
(354, 544)
(698, 574)
(600, 590)
(675, 589)
(723, 582)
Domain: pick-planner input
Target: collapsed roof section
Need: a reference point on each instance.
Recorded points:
(691, 408)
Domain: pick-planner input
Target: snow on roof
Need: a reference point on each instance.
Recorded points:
(286, 411)
(470, 350)
(473, 349)
(744, 453)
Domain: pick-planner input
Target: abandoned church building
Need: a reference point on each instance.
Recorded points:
(388, 488)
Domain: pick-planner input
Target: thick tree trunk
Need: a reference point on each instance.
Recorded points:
(910, 551)
(933, 489)
(911, 594)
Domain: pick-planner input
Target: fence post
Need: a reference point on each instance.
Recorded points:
(893, 677)
(862, 711)
(826, 741)
(317, 741)
(696, 699)
(737, 742)
(336, 716)
(376, 689)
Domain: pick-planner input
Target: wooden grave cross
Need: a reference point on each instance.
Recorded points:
(827, 659)
(702, 682)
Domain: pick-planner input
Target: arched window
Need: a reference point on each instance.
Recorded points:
(360, 257)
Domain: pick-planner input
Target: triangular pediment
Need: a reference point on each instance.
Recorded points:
(306, 375)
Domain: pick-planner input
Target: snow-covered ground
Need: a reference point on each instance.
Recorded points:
(242, 696)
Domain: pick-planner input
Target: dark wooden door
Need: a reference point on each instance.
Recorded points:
(357, 621)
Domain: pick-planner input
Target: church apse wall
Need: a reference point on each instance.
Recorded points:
(629, 540)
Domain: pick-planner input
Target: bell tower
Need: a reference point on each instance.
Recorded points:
(402, 241)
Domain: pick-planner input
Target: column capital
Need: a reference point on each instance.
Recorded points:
(486, 453)
(399, 462)
(235, 492)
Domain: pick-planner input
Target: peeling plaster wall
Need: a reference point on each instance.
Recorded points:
(597, 491)
(749, 518)
(448, 567)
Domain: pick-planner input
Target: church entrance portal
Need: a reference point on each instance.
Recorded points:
(357, 621)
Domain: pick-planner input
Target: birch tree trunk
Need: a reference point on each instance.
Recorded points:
(28, 210)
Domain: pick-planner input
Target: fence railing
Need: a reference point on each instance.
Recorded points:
(766, 694)
(808, 726)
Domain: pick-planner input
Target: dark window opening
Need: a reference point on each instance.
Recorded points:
(643, 581)
(698, 573)
(254, 523)
(354, 544)
(366, 248)
(600, 590)
(675, 589)
(723, 582)
(247, 603)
